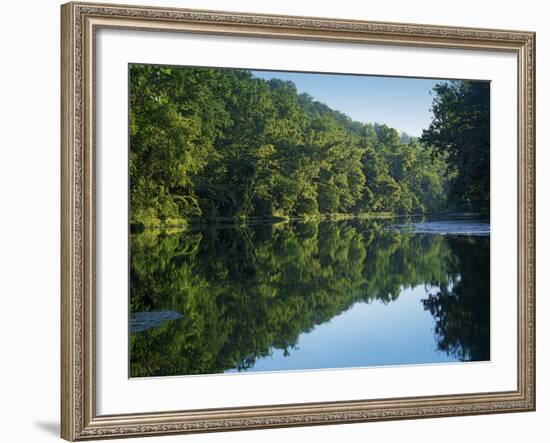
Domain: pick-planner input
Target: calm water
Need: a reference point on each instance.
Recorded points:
(313, 295)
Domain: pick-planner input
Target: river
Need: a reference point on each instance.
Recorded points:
(309, 295)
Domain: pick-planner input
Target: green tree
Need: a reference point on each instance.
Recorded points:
(210, 144)
(460, 130)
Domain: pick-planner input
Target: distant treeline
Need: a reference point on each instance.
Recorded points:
(208, 143)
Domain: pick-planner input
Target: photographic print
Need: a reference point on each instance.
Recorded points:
(292, 221)
(272, 221)
(296, 221)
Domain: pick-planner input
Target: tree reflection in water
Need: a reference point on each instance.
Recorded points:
(244, 291)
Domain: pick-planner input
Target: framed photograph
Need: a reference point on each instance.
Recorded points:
(283, 221)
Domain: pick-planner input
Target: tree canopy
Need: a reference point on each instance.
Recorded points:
(460, 130)
(210, 144)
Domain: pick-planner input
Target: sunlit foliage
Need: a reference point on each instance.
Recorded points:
(208, 143)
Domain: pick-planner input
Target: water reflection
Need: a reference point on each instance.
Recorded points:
(256, 297)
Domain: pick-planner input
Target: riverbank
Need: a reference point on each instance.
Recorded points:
(178, 225)
(181, 225)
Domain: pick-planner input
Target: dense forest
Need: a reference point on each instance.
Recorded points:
(217, 144)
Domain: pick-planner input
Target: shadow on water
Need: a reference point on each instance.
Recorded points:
(243, 292)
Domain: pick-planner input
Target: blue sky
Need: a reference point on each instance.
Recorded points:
(403, 103)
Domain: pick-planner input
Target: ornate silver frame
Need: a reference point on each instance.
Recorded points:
(80, 21)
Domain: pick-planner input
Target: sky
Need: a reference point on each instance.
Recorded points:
(402, 103)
